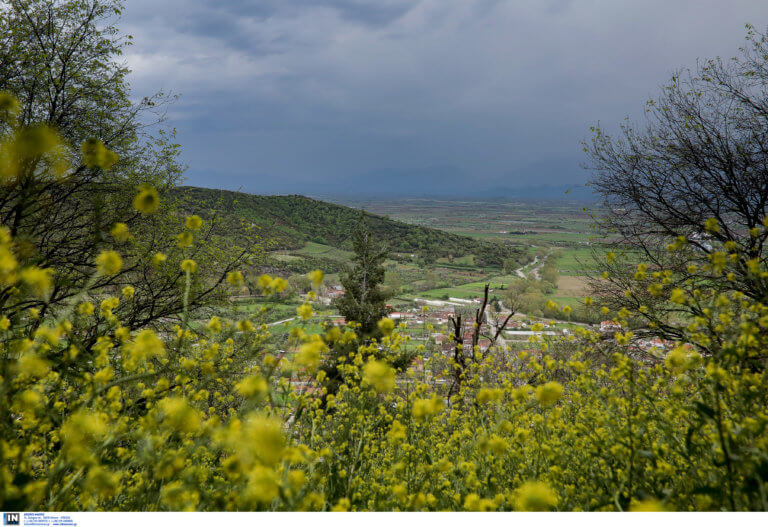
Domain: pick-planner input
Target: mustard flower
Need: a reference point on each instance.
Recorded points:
(9, 107)
(145, 345)
(178, 414)
(193, 222)
(96, 155)
(120, 232)
(310, 354)
(304, 311)
(386, 325)
(245, 326)
(214, 324)
(424, 408)
(677, 296)
(252, 386)
(649, 505)
(189, 266)
(535, 496)
(147, 200)
(38, 280)
(379, 375)
(85, 309)
(109, 263)
(235, 278)
(549, 393)
(317, 277)
(184, 239)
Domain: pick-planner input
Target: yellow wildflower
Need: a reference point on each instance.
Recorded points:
(109, 263)
(189, 266)
(549, 393)
(535, 496)
(193, 222)
(120, 232)
(379, 375)
(147, 200)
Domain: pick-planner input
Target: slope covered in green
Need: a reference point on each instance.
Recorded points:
(290, 222)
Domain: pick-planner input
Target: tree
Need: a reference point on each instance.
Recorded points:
(364, 299)
(432, 279)
(687, 192)
(60, 60)
(475, 323)
(510, 265)
(363, 303)
(393, 283)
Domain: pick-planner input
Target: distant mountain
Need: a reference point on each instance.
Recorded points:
(559, 193)
(556, 179)
(542, 192)
(289, 222)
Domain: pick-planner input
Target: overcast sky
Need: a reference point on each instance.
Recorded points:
(411, 96)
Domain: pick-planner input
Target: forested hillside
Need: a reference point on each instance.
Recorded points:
(288, 222)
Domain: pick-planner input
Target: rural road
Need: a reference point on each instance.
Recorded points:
(534, 268)
(520, 272)
(282, 321)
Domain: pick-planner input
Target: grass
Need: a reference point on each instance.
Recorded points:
(285, 257)
(572, 301)
(572, 260)
(326, 251)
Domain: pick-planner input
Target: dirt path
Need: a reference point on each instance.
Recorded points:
(519, 272)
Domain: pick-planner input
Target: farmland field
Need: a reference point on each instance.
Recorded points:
(558, 230)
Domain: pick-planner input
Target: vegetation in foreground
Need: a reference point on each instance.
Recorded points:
(101, 408)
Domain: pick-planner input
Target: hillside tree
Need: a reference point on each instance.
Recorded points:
(687, 192)
(61, 60)
(364, 299)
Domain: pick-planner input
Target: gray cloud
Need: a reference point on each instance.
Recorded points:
(295, 96)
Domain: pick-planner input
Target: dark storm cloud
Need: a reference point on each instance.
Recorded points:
(371, 13)
(411, 95)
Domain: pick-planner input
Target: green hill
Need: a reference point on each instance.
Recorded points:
(292, 222)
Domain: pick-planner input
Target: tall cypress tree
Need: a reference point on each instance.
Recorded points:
(364, 303)
(364, 300)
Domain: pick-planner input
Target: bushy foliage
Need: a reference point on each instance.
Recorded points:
(75, 147)
(688, 188)
(364, 298)
(100, 413)
(207, 419)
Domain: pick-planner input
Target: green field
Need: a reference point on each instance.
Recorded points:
(327, 251)
(573, 260)
(562, 230)
(558, 231)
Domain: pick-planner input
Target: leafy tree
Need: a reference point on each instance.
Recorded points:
(364, 299)
(363, 305)
(510, 265)
(393, 282)
(688, 191)
(60, 60)
(300, 283)
(432, 279)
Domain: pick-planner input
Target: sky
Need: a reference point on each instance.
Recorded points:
(411, 97)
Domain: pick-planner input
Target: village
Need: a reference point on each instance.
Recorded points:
(430, 329)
